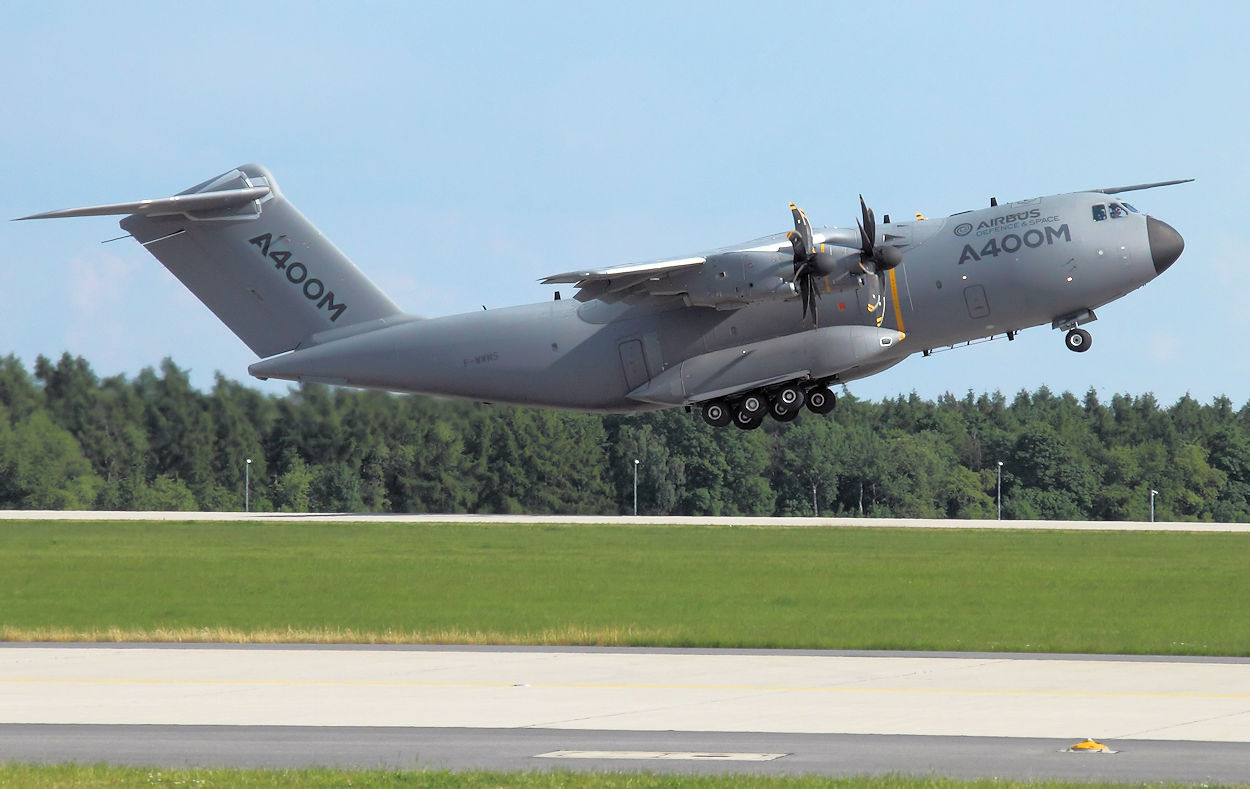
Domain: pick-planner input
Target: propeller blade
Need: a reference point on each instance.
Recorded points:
(796, 241)
(868, 228)
(804, 230)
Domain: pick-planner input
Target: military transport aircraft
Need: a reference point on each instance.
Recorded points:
(760, 328)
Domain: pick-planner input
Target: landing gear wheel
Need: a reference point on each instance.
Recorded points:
(753, 405)
(748, 421)
(784, 404)
(1078, 340)
(820, 400)
(783, 414)
(789, 397)
(717, 413)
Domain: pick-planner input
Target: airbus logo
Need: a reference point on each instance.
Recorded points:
(963, 229)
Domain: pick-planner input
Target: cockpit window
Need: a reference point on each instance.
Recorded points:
(1115, 210)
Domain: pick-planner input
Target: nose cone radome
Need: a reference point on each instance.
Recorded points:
(1166, 244)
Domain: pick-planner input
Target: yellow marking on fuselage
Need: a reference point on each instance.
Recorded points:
(898, 314)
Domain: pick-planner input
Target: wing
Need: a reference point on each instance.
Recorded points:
(632, 280)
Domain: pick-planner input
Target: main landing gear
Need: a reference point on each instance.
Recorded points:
(1078, 340)
(782, 403)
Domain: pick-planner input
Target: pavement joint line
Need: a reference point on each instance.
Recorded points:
(1143, 734)
(664, 755)
(616, 686)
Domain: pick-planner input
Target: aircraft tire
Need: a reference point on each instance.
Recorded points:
(789, 397)
(748, 421)
(753, 404)
(820, 400)
(1078, 340)
(717, 413)
(784, 414)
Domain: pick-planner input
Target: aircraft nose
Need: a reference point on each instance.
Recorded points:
(1166, 244)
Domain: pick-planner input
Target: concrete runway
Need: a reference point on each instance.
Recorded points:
(833, 713)
(624, 520)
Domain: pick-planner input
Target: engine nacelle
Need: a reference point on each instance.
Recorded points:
(737, 279)
(838, 266)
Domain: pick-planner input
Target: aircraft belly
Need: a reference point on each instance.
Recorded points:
(816, 354)
(534, 355)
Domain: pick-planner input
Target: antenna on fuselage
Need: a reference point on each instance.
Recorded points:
(1115, 190)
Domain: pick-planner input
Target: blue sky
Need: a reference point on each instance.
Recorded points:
(458, 153)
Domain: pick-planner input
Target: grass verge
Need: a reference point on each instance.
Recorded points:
(65, 776)
(1104, 592)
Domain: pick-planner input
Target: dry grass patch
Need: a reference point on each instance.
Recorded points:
(566, 636)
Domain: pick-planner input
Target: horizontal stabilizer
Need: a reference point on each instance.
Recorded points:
(181, 204)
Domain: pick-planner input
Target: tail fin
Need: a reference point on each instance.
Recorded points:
(253, 259)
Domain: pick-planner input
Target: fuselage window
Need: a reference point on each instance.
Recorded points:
(1100, 212)
(1131, 208)
(1117, 211)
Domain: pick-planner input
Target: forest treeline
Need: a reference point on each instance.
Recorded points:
(72, 440)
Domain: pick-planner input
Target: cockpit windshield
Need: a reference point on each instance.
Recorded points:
(1102, 211)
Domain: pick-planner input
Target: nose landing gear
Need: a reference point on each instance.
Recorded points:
(1078, 340)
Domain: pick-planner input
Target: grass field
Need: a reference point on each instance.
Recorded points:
(65, 776)
(1109, 592)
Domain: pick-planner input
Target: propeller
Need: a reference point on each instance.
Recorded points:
(876, 259)
(811, 263)
(805, 269)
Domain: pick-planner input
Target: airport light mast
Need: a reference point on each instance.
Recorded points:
(1000, 490)
(636, 461)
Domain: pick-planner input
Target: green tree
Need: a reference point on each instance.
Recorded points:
(43, 468)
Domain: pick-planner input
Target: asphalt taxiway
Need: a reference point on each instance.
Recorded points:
(833, 713)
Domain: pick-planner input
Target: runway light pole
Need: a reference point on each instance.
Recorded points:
(1000, 490)
(1153, 493)
(635, 487)
(247, 486)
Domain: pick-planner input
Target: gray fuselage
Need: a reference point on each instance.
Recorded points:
(964, 277)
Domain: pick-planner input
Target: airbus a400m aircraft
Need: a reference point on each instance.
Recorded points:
(742, 332)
